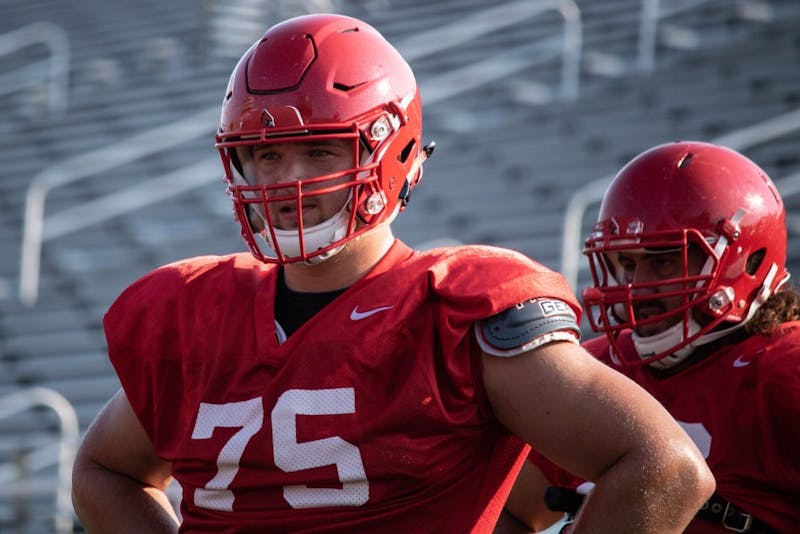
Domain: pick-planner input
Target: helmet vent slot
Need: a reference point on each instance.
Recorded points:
(407, 151)
(754, 261)
(345, 88)
(687, 159)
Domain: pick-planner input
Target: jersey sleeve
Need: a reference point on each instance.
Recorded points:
(148, 328)
(476, 282)
(510, 302)
(140, 331)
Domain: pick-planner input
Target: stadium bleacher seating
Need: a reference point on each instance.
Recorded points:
(509, 152)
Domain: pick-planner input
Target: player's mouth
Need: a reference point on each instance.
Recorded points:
(649, 309)
(288, 215)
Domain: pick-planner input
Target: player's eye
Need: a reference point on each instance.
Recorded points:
(266, 155)
(665, 266)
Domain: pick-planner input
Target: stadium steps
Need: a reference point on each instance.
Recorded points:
(502, 174)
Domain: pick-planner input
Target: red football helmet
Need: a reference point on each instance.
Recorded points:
(322, 77)
(672, 197)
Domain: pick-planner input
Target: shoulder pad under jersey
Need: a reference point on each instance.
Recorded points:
(526, 326)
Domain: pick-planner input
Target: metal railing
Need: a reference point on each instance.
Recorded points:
(55, 39)
(650, 16)
(788, 185)
(26, 399)
(466, 29)
(39, 229)
(592, 192)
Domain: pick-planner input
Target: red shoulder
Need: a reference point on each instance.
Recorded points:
(474, 273)
(165, 292)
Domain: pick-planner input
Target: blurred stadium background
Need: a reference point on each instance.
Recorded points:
(108, 110)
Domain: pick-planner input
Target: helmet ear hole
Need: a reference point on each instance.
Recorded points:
(754, 261)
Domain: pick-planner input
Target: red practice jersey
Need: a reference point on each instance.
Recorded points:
(370, 418)
(741, 406)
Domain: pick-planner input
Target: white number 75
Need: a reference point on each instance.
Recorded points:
(289, 455)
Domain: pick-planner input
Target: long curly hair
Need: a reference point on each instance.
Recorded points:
(782, 307)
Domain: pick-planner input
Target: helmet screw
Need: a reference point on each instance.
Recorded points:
(718, 301)
(374, 203)
(380, 129)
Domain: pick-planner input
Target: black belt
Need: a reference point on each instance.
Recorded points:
(716, 509)
(719, 510)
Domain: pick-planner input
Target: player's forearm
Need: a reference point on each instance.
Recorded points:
(108, 502)
(638, 495)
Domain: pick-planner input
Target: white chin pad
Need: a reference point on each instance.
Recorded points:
(314, 237)
(648, 346)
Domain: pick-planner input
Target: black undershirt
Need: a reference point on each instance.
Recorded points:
(294, 308)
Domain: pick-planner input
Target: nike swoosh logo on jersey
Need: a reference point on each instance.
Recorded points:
(739, 362)
(358, 315)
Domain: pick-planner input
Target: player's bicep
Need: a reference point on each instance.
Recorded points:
(575, 410)
(117, 442)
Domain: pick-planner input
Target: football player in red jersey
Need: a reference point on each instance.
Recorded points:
(688, 259)
(335, 380)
